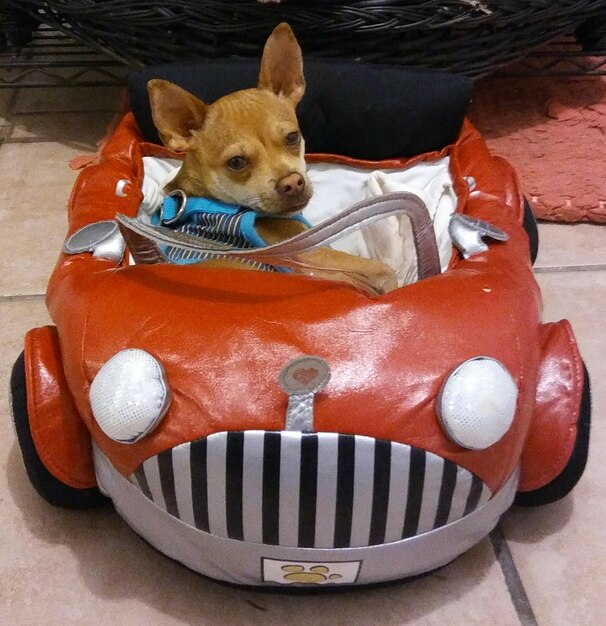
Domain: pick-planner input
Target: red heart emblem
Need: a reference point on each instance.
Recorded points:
(306, 375)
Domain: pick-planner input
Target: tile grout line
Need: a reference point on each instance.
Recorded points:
(38, 140)
(513, 580)
(22, 297)
(60, 112)
(570, 268)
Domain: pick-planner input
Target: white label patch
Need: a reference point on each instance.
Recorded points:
(310, 572)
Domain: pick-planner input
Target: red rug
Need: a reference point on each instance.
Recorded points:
(553, 131)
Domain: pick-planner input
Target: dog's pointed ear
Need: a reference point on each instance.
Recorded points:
(176, 113)
(282, 64)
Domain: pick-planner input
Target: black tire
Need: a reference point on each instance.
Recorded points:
(570, 475)
(50, 488)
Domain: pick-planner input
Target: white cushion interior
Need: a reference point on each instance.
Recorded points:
(337, 187)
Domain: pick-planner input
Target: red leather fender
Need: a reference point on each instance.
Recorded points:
(61, 439)
(553, 431)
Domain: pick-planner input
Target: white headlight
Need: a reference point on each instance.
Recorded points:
(129, 395)
(477, 403)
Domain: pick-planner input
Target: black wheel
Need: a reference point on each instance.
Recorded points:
(50, 488)
(570, 475)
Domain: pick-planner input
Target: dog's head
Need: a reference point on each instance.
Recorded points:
(246, 148)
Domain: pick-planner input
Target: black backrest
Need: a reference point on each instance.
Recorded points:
(355, 109)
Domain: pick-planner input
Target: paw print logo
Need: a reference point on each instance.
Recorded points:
(315, 575)
(310, 572)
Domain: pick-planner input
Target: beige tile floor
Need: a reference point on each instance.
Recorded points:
(59, 567)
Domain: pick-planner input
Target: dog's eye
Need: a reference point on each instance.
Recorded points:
(237, 163)
(293, 139)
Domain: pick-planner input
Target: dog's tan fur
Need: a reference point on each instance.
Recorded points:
(246, 149)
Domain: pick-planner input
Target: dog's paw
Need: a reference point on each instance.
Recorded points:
(387, 283)
(383, 279)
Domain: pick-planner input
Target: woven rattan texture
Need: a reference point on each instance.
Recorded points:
(468, 36)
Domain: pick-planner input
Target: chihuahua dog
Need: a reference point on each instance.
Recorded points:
(246, 149)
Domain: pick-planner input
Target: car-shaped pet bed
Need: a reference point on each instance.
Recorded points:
(277, 430)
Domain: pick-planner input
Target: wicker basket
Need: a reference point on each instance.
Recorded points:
(468, 36)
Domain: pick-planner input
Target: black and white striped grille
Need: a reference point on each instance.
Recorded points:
(320, 490)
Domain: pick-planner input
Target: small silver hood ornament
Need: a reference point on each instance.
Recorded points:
(301, 379)
(467, 234)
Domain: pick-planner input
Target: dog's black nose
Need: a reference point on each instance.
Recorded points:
(291, 185)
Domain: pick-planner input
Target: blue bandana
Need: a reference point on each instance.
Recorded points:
(217, 221)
